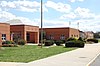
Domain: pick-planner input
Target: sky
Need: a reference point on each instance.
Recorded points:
(80, 14)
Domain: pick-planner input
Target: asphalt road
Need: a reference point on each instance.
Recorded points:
(96, 62)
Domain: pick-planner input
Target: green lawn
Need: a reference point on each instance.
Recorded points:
(98, 40)
(29, 53)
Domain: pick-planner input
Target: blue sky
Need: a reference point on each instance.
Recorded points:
(56, 13)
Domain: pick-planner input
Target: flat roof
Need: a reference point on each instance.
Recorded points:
(19, 22)
(24, 25)
(60, 28)
(4, 23)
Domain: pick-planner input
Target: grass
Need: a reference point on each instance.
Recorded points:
(99, 40)
(29, 53)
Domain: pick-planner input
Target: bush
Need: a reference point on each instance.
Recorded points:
(49, 42)
(92, 40)
(63, 41)
(74, 44)
(80, 38)
(21, 42)
(8, 44)
(70, 44)
(80, 43)
(71, 39)
(59, 42)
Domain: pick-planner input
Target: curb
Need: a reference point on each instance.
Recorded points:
(93, 60)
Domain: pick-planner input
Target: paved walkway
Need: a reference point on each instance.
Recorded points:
(78, 57)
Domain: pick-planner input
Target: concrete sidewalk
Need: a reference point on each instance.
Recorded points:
(78, 57)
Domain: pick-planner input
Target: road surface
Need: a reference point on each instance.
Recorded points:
(96, 62)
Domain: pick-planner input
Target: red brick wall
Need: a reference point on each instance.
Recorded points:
(34, 33)
(74, 33)
(57, 32)
(0, 39)
(32, 37)
(17, 29)
(5, 29)
(23, 29)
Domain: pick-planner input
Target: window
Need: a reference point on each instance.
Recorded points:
(72, 35)
(62, 37)
(3, 37)
(77, 35)
(51, 37)
(28, 36)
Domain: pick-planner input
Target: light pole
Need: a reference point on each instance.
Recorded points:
(41, 24)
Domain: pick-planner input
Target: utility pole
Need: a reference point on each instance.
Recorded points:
(41, 24)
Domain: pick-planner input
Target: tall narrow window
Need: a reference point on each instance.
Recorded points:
(28, 36)
(3, 37)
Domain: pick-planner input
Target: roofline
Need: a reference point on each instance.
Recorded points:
(55, 27)
(24, 25)
(5, 23)
(60, 28)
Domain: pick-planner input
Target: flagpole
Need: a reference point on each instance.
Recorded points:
(78, 25)
(69, 24)
(41, 24)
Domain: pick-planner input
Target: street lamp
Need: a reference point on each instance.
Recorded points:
(41, 24)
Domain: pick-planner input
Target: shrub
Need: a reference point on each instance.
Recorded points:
(59, 42)
(49, 42)
(8, 43)
(63, 41)
(92, 40)
(71, 39)
(80, 43)
(74, 44)
(70, 44)
(12, 42)
(80, 38)
(21, 42)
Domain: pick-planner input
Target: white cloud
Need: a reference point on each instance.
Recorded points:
(84, 13)
(27, 21)
(81, 0)
(68, 16)
(86, 24)
(0, 9)
(59, 6)
(45, 9)
(27, 6)
(56, 23)
(76, 0)
(6, 16)
(72, 0)
(27, 3)
(88, 21)
(27, 9)
(7, 4)
(97, 17)
(79, 13)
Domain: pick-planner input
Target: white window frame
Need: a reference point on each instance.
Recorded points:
(3, 37)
